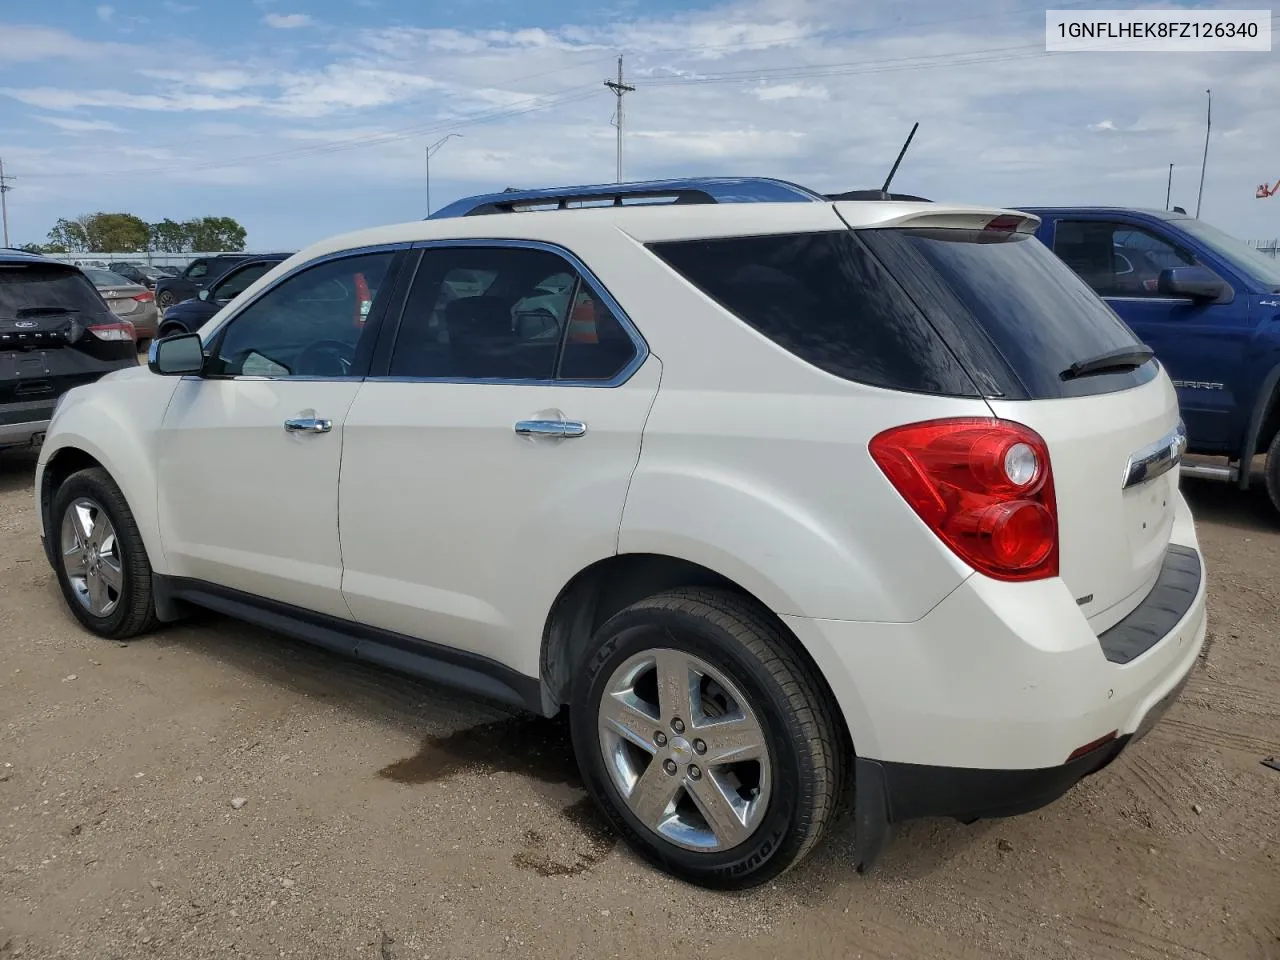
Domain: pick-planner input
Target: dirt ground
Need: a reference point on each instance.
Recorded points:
(390, 820)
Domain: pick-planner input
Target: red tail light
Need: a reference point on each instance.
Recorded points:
(984, 486)
(121, 330)
(145, 297)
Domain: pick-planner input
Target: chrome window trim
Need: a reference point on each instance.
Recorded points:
(633, 332)
(306, 265)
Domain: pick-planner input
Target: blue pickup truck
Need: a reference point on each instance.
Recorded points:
(1208, 304)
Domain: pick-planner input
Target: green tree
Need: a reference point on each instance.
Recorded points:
(215, 233)
(69, 235)
(169, 236)
(117, 232)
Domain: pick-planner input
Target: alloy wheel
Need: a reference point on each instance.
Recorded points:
(685, 750)
(91, 557)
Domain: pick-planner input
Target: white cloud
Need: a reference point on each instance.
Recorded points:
(791, 91)
(286, 21)
(1103, 125)
(71, 125)
(28, 44)
(106, 12)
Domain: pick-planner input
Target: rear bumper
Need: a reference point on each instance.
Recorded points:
(999, 676)
(967, 794)
(21, 423)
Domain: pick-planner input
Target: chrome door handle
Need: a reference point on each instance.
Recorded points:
(308, 425)
(550, 428)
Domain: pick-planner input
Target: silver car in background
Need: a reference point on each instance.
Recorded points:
(128, 300)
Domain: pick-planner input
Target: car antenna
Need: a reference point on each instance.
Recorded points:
(884, 191)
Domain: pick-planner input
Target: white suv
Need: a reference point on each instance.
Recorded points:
(789, 503)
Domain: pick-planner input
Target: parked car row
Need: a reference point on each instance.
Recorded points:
(127, 299)
(789, 501)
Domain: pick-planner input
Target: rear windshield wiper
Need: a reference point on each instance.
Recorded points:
(1113, 361)
(43, 311)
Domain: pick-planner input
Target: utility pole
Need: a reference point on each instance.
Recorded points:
(620, 90)
(1168, 190)
(4, 202)
(430, 152)
(1208, 122)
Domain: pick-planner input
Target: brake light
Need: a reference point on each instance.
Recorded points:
(983, 486)
(121, 330)
(145, 297)
(1003, 224)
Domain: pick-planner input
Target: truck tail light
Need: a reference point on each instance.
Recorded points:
(120, 330)
(983, 486)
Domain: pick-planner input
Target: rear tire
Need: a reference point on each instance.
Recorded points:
(100, 561)
(1272, 471)
(659, 761)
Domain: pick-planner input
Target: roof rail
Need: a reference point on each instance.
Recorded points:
(694, 190)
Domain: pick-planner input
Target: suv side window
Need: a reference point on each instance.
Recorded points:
(237, 281)
(308, 325)
(197, 269)
(507, 313)
(1117, 259)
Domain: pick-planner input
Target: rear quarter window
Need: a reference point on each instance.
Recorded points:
(824, 298)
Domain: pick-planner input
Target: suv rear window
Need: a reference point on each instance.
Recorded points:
(28, 290)
(1017, 315)
(827, 300)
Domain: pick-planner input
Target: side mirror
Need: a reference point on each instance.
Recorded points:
(203, 294)
(1196, 283)
(176, 356)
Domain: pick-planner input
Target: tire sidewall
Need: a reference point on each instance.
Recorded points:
(772, 847)
(83, 485)
(1272, 473)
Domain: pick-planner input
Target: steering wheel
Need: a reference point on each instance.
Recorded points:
(329, 358)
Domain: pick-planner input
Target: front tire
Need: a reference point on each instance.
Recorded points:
(100, 561)
(709, 743)
(165, 300)
(1272, 471)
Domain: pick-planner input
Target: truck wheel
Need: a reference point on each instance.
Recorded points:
(709, 743)
(165, 300)
(1273, 471)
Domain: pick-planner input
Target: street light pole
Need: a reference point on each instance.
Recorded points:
(431, 150)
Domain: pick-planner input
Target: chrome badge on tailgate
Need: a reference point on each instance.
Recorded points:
(1157, 458)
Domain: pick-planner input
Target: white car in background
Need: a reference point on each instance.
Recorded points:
(804, 501)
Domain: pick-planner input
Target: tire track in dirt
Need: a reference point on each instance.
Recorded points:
(1172, 730)
(1131, 941)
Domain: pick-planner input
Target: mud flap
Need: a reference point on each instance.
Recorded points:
(871, 813)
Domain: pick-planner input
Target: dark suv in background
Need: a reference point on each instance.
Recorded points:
(56, 332)
(199, 273)
(190, 315)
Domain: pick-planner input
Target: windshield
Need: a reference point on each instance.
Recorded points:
(105, 278)
(1250, 261)
(29, 287)
(1011, 303)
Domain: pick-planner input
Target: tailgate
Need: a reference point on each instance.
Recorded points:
(1046, 352)
(1114, 521)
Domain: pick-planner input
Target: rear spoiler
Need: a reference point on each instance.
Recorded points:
(994, 220)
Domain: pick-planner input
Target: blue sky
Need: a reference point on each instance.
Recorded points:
(303, 119)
